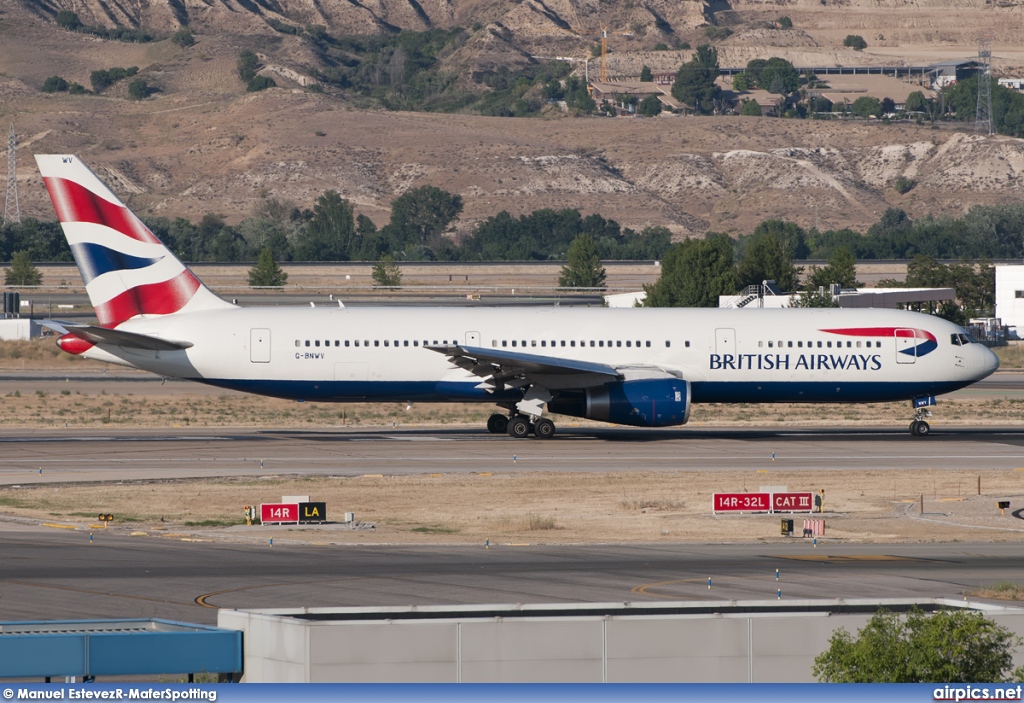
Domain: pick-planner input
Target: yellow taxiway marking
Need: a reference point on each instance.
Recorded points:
(644, 588)
(59, 526)
(853, 557)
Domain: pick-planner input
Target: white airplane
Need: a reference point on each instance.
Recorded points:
(641, 367)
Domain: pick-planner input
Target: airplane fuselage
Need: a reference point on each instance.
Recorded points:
(728, 356)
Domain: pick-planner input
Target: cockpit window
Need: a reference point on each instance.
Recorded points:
(955, 339)
(968, 339)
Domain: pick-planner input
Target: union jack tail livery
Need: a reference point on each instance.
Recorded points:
(128, 272)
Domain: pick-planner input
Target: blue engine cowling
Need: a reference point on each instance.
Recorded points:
(661, 402)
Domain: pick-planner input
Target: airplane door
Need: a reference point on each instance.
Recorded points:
(725, 341)
(472, 339)
(259, 346)
(906, 347)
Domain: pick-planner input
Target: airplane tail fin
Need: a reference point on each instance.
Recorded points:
(127, 270)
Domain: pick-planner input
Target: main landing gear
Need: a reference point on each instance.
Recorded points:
(519, 426)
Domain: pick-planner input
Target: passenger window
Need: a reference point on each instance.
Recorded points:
(346, 342)
(759, 344)
(299, 343)
(629, 343)
(513, 342)
(668, 343)
(307, 342)
(771, 344)
(687, 345)
(858, 345)
(543, 343)
(533, 342)
(600, 343)
(819, 345)
(648, 344)
(828, 344)
(504, 343)
(592, 343)
(563, 342)
(618, 343)
(376, 342)
(357, 342)
(366, 342)
(316, 343)
(572, 342)
(800, 344)
(788, 344)
(396, 342)
(385, 342)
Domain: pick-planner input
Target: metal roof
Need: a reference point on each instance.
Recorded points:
(116, 648)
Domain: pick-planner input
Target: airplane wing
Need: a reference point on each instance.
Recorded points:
(120, 338)
(516, 369)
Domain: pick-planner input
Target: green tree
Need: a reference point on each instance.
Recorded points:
(69, 20)
(742, 82)
(583, 267)
(694, 273)
(139, 89)
(779, 76)
(950, 645)
(54, 84)
(266, 272)
(259, 83)
(768, 255)
(695, 81)
(841, 268)
(248, 64)
(855, 42)
(916, 102)
(645, 75)
(750, 108)
(22, 272)
(183, 37)
(421, 215)
(386, 273)
(866, 106)
(650, 106)
(784, 22)
(329, 234)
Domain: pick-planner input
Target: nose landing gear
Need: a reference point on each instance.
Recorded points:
(920, 428)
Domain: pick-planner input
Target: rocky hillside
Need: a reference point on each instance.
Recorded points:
(202, 144)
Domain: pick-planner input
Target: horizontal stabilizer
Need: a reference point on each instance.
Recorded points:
(120, 338)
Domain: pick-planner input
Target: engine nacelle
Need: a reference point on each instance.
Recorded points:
(658, 402)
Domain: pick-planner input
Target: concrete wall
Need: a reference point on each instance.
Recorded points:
(1010, 307)
(733, 647)
(19, 329)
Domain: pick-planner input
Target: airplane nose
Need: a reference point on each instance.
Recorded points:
(989, 362)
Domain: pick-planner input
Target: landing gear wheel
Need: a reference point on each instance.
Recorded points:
(923, 429)
(518, 427)
(497, 424)
(544, 428)
(913, 428)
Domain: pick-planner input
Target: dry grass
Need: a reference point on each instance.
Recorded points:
(999, 591)
(625, 506)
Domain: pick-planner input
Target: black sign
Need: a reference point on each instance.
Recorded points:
(312, 512)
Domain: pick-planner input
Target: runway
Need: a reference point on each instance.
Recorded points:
(29, 457)
(60, 575)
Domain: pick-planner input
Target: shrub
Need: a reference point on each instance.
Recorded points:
(68, 20)
(661, 46)
(260, 83)
(183, 38)
(751, 109)
(903, 184)
(784, 23)
(717, 33)
(55, 84)
(139, 89)
(855, 42)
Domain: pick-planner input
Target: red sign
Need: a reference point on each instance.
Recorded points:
(742, 502)
(792, 502)
(279, 512)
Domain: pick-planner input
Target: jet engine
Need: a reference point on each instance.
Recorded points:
(660, 402)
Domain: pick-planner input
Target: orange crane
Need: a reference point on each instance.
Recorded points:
(604, 50)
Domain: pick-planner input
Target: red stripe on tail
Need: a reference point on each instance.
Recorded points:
(161, 298)
(75, 203)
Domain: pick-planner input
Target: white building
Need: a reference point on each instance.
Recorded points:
(1010, 299)
(18, 329)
